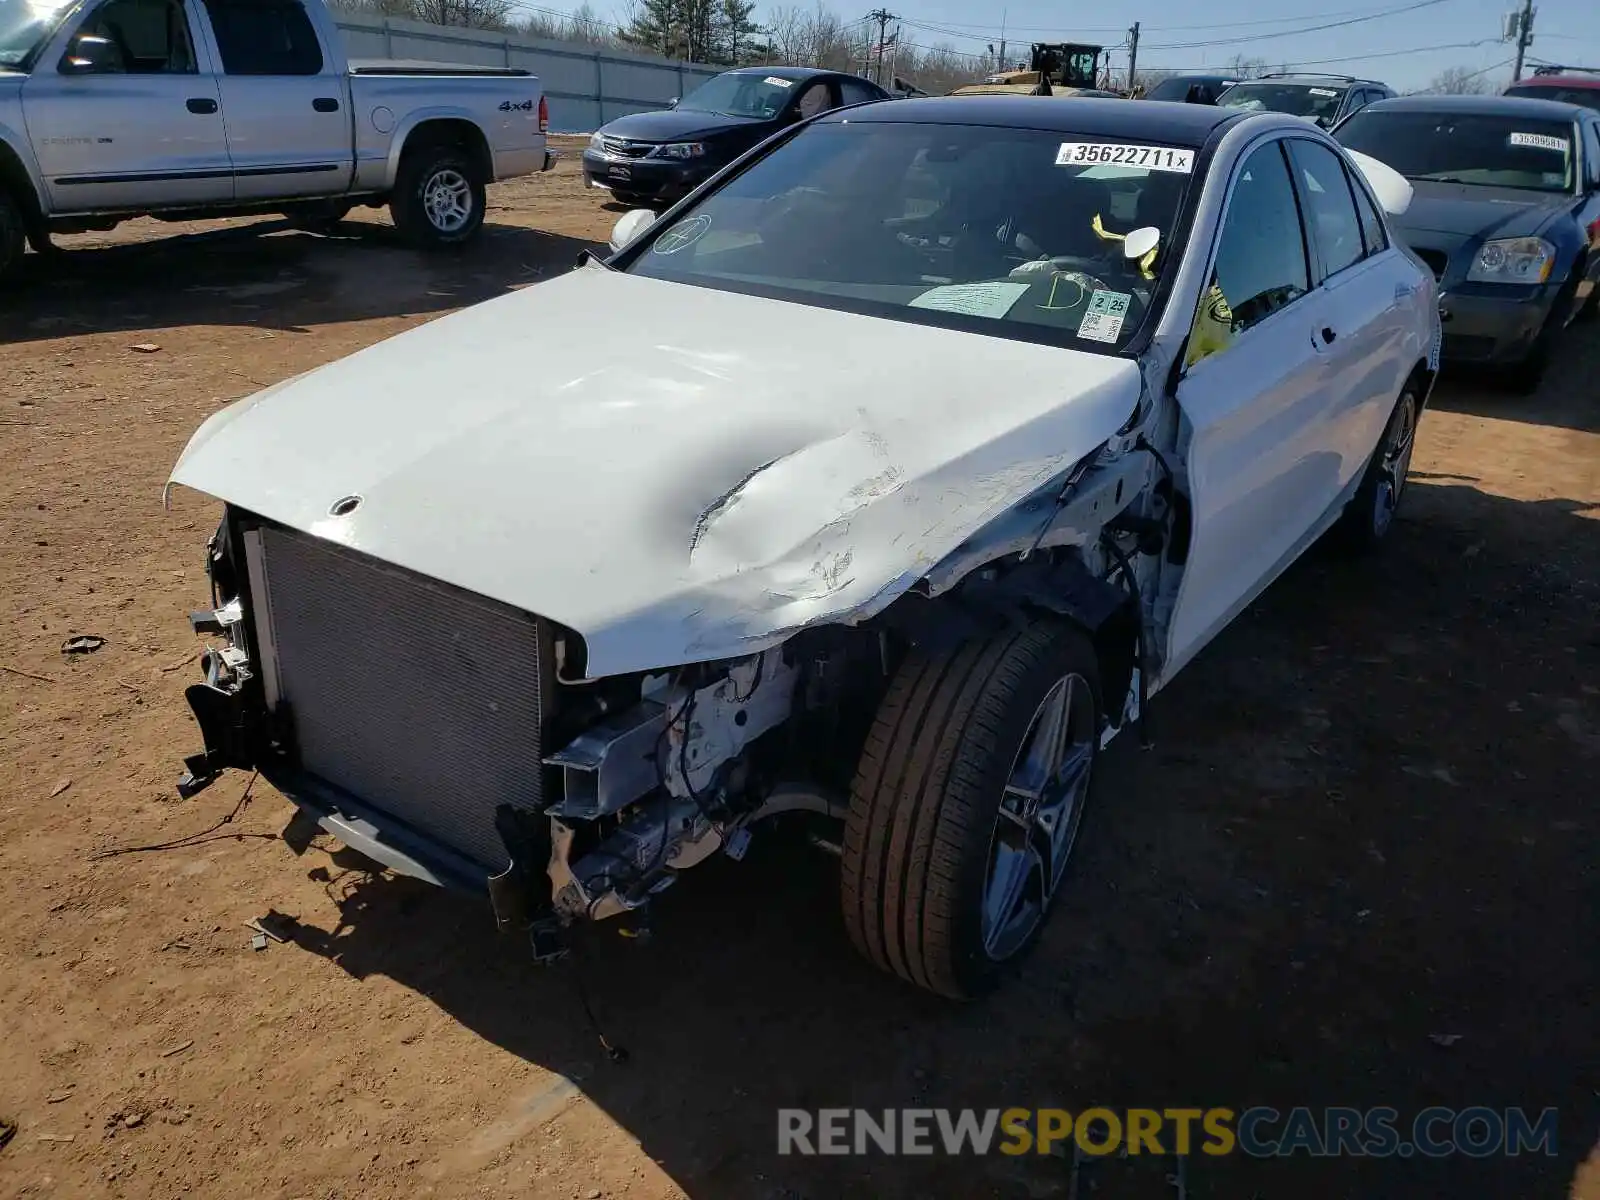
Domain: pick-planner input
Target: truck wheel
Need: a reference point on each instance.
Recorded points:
(13, 235)
(966, 804)
(438, 197)
(1369, 516)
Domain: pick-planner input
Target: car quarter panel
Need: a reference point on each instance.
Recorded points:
(389, 108)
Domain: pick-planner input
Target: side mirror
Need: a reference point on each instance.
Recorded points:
(1392, 189)
(89, 54)
(1140, 242)
(629, 226)
(673, 103)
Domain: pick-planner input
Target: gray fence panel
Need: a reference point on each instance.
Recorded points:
(587, 85)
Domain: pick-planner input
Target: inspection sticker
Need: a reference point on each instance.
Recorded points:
(1154, 158)
(1103, 321)
(1322, 92)
(776, 82)
(1539, 141)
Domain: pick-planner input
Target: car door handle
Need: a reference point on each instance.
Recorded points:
(201, 105)
(325, 104)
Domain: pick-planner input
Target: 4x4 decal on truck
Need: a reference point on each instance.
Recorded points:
(515, 106)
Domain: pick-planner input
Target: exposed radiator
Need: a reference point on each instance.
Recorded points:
(420, 700)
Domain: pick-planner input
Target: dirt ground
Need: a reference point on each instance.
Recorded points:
(1358, 868)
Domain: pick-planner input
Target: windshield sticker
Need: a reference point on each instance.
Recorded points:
(682, 235)
(776, 82)
(1323, 92)
(1103, 321)
(1153, 158)
(972, 299)
(1539, 141)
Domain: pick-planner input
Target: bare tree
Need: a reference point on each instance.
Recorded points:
(1459, 81)
(1241, 67)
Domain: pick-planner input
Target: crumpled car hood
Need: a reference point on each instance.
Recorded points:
(679, 474)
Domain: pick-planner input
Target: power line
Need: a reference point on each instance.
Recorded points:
(1267, 37)
(987, 31)
(1322, 62)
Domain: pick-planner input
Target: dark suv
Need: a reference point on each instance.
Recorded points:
(1325, 99)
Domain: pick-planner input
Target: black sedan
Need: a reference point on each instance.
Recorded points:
(657, 158)
(1506, 213)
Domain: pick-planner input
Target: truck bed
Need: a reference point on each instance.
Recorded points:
(389, 66)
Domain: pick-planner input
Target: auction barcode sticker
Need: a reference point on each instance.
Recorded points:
(1539, 141)
(776, 82)
(1152, 158)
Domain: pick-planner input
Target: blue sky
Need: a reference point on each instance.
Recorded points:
(1405, 48)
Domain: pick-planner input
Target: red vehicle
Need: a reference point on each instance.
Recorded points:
(1574, 85)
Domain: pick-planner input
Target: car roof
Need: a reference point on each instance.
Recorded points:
(1482, 106)
(789, 72)
(1315, 80)
(1152, 120)
(1562, 81)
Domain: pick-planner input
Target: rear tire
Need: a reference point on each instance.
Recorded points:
(438, 197)
(1369, 516)
(950, 864)
(13, 235)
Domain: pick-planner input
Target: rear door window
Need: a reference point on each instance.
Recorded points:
(854, 91)
(1372, 232)
(265, 37)
(1330, 210)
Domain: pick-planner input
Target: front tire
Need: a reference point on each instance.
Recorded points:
(1369, 516)
(439, 197)
(966, 806)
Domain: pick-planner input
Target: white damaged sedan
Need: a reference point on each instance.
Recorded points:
(873, 488)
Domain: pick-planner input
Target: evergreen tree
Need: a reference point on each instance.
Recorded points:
(737, 35)
(658, 26)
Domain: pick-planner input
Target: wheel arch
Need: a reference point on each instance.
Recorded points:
(1019, 592)
(17, 179)
(440, 127)
(1422, 378)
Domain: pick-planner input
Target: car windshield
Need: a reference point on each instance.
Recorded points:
(1589, 97)
(1013, 232)
(1316, 101)
(740, 94)
(1487, 151)
(25, 25)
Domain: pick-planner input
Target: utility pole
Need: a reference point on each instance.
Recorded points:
(1524, 36)
(1133, 57)
(882, 16)
(1001, 62)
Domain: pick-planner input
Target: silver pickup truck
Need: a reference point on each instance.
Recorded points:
(198, 108)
